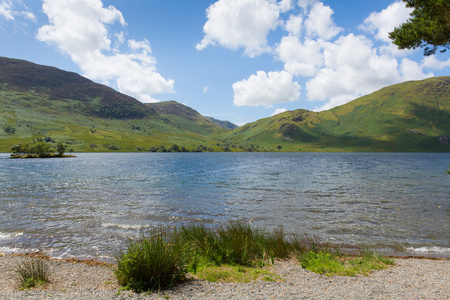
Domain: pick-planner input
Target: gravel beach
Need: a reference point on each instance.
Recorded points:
(408, 279)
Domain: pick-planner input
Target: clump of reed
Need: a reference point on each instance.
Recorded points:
(32, 273)
(235, 243)
(153, 262)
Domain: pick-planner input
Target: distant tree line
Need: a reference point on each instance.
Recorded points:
(176, 148)
(226, 147)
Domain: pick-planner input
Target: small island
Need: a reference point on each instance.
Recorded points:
(38, 148)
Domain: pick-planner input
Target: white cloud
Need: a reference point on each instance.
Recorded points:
(294, 25)
(381, 23)
(266, 89)
(285, 5)
(353, 51)
(320, 24)
(6, 10)
(140, 45)
(299, 58)
(411, 70)
(205, 89)
(306, 3)
(237, 24)
(9, 10)
(431, 62)
(79, 29)
(278, 111)
(351, 68)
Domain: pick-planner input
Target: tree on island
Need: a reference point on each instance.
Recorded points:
(428, 27)
(60, 148)
(37, 148)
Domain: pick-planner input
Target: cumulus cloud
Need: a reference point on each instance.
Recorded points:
(294, 25)
(351, 68)
(306, 3)
(431, 62)
(381, 23)
(320, 24)
(266, 89)
(140, 45)
(299, 58)
(9, 10)
(411, 70)
(278, 111)
(285, 5)
(237, 24)
(79, 29)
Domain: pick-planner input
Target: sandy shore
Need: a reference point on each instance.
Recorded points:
(407, 279)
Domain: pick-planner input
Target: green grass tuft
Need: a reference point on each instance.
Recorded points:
(330, 264)
(235, 243)
(32, 273)
(228, 273)
(154, 262)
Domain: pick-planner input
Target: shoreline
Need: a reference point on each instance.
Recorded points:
(109, 259)
(409, 278)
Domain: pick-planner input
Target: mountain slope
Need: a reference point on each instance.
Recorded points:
(39, 100)
(92, 98)
(411, 116)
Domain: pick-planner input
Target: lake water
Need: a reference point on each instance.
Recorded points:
(89, 206)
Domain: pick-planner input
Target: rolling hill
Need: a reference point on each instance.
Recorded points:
(411, 116)
(43, 101)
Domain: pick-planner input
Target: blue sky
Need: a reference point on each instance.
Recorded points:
(236, 60)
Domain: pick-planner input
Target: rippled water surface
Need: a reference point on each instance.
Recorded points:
(89, 205)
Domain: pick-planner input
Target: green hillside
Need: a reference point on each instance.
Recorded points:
(411, 116)
(41, 101)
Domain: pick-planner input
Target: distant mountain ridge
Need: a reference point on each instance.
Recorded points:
(223, 124)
